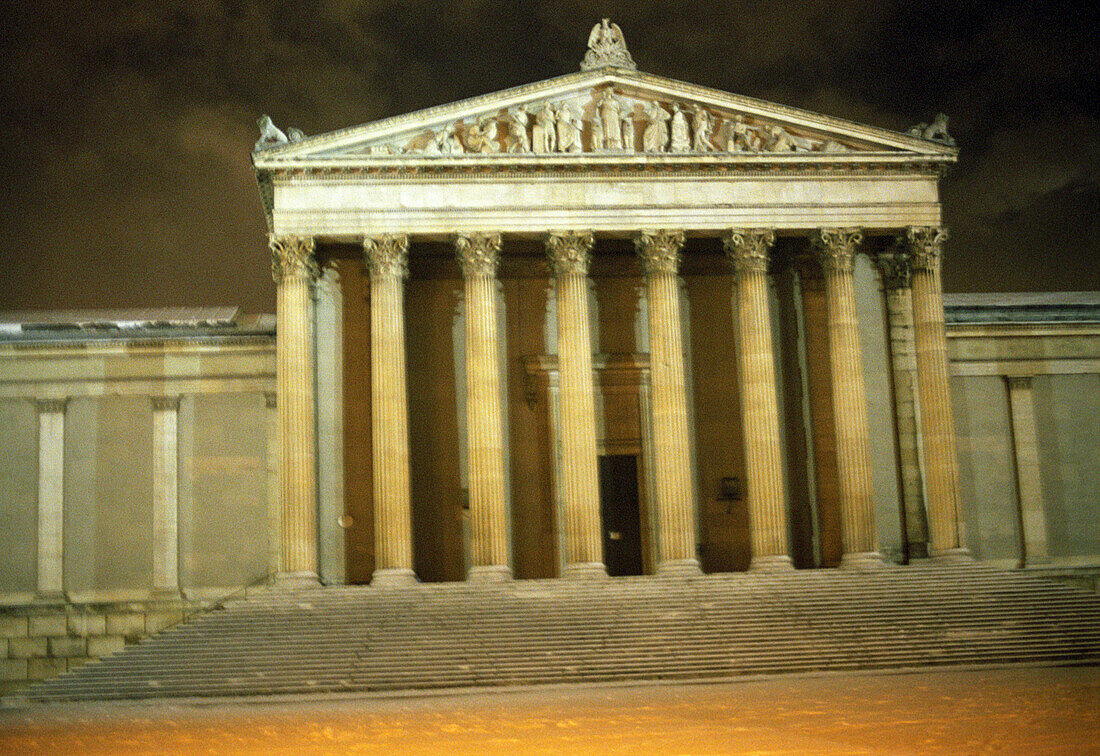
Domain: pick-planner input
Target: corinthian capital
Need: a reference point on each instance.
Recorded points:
(292, 256)
(659, 250)
(894, 268)
(925, 246)
(478, 254)
(836, 248)
(747, 248)
(570, 252)
(387, 255)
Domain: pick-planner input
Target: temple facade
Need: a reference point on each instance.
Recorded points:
(621, 321)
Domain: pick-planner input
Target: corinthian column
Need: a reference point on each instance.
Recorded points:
(836, 250)
(293, 267)
(660, 253)
(896, 283)
(747, 249)
(386, 257)
(941, 464)
(479, 255)
(569, 256)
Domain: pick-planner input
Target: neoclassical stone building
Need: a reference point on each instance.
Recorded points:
(607, 323)
(611, 321)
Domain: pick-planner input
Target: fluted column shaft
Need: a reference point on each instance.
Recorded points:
(675, 505)
(747, 249)
(479, 255)
(941, 463)
(386, 258)
(836, 249)
(897, 285)
(294, 270)
(569, 257)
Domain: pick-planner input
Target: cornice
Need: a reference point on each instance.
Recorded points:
(637, 165)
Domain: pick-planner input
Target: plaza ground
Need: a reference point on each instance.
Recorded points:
(1033, 710)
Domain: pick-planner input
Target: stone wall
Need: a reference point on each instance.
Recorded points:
(135, 467)
(40, 642)
(1026, 385)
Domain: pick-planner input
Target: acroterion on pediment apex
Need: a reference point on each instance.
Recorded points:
(607, 47)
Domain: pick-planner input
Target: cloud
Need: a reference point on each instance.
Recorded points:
(125, 128)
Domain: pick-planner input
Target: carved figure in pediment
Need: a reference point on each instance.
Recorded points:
(628, 133)
(597, 134)
(270, 134)
(569, 130)
(517, 140)
(779, 140)
(655, 136)
(701, 128)
(482, 136)
(935, 131)
(431, 148)
(295, 135)
(449, 143)
(742, 137)
(610, 110)
(681, 139)
(542, 133)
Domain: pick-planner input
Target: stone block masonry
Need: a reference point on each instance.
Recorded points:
(39, 642)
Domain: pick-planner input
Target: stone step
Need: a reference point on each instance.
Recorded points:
(453, 635)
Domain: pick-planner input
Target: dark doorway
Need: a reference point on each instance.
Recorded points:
(622, 539)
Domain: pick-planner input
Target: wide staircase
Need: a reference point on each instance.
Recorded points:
(644, 628)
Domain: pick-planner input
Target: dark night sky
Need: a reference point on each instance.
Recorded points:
(127, 126)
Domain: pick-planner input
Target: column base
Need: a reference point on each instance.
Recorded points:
(297, 581)
(585, 571)
(863, 560)
(50, 598)
(398, 577)
(952, 556)
(167, 594)
(679, 568)
(492, 573)
(775, 563)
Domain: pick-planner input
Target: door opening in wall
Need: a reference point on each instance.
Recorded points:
(619, 514)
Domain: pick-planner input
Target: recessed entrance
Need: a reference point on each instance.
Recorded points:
(622, 541)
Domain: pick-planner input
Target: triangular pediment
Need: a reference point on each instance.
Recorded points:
(600, 113)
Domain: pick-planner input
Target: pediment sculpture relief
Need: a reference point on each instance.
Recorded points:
(606, 121)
